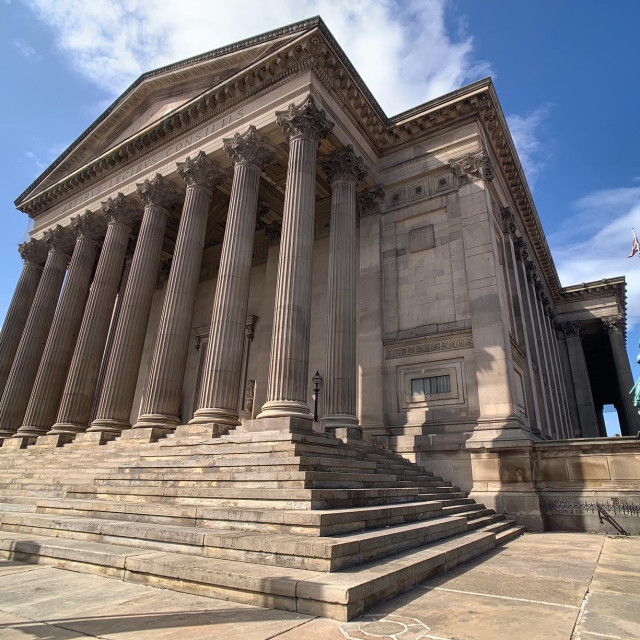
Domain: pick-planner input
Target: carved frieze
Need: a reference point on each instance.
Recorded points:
(434, 345)
(472, 167)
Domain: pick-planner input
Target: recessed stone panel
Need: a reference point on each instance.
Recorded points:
(422, 238)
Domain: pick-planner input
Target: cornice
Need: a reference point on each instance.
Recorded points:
(297, 27)
(316, 49)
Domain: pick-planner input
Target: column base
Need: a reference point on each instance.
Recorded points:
(214, 415)
(5, 434)
(66, 428)
(282, 424)
(157, 421)
(28, 431)
(54, 441)
(108, 425)
(285, 409)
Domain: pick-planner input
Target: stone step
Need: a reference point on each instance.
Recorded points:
(247, 497)
(264, 478)
(304, 552)
(340, 595)
(303, 522)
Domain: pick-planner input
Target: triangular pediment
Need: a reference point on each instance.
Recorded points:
(155, 95)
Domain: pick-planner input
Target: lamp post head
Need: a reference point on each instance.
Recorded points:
(317, 379)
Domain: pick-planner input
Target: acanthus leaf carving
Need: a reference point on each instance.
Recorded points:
(304, 121)
(249, 148)
(344, 165)
(472, 167)
(201, 171)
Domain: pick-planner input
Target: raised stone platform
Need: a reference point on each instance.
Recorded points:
(285, 519)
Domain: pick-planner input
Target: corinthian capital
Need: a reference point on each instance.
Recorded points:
(158, 192)
(60, 239)
(369, 201)
(122, 210)
(249, 148)
(304, 121)
(201, 171)
(90, 225)
(34, 251)
(344, 165)
(472, 167)
(571, 328)
(614, 324)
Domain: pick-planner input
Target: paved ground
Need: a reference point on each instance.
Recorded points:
(546, 586)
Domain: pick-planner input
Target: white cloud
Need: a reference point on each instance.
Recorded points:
(594, 243)
(402, 50)
(44, 157)
(526, 133)
(25, 49)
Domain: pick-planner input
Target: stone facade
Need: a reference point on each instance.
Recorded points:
(402, 258)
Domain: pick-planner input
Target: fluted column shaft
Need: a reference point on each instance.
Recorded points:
(289, 361)
(161, 402)
(305, 126)
(340, 378)
(223, 364)
(18, 311)
(116, 399)
(54, 366)
(25, 365)
(630, 420)
(74, 412)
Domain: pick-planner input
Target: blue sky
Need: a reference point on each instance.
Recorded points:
(566, 74)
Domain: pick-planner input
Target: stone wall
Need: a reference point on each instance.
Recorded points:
(573, 477)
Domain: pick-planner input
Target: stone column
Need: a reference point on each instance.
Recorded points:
(272, 232)
(218, 402)
(160, 406)
(304, 126)
(344, 170)
(54, 366)
(116, 399)
(370, 334)
(34, 254)
(630, 420)
(74, 412)
(580, 380)
(574, 417)
(17, 391)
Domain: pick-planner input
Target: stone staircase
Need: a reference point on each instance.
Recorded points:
(296, 521)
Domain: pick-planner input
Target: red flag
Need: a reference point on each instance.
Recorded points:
(635, 245)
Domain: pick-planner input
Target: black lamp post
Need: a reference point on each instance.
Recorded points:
(317, 381)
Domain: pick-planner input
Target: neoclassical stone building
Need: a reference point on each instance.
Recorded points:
(237, 221)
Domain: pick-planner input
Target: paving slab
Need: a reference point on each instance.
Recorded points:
(542, 586)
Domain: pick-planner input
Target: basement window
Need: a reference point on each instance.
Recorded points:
(430, 386)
